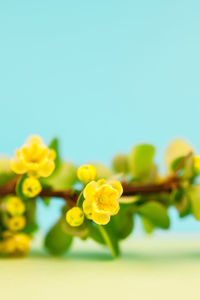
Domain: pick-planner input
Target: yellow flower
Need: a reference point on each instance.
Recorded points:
(15, 244)
(86, 173)
(197, 163)
(31, 187)
(75, 216)
(15, 206)
(101, 200)
(16, 223)
(34, 158)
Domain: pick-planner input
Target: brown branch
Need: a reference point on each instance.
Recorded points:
(68, 195)
(129, 189)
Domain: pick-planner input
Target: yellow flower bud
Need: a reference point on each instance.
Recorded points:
(31, 187)
(34, 158)
(15, 244)
(15, 206)
(75, 216)
(197, 163)
(16, 223)
(86, 173)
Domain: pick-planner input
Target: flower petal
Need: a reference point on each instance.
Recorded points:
(87, 208)
(17, 166)
(90, 191)
(115, 208)
(117, 186)
(106, 194)
(101, 219)
(47, 168)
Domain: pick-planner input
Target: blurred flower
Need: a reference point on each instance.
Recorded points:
(86, 173)
(101, 200)
(16, 223)
(34, 158)
(15, 244)
(75, 216)
(31, 187)
(15, 206)
(197, 163)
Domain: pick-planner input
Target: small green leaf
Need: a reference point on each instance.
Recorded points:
(194, 194)
(19, 191)
(147, 225)
(156, 213)
(46, 200)
(129, 199)
(123, 223)
(30, 214)
(141, 160)
(181, 201)
(54, 145)
(57, 241)
(110, 239)
(80, 200)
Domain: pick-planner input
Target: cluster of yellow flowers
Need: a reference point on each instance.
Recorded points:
(101, 198)
(36, 160)
(15, 243)
(13, 219)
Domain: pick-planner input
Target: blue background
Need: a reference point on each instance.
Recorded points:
(101, 75)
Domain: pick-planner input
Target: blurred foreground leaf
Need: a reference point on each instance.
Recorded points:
(141, 160)
(156, 213)
(57, 241)
(194, 194)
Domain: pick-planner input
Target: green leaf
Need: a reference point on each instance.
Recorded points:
(30, 214)
(123, 223)
(57, 241)
(129, 199)
(194, 194)
(46, 200)
(176, 150)
(141, 160)
(156, 213)
(19, 187)
(110, 239)
(181, 201)
(64, 178)
(94, 233)
(54, 145)
(147, 225)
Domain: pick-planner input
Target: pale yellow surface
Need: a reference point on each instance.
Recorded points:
(148, 269)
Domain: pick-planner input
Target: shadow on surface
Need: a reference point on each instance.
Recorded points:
(126, 256)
